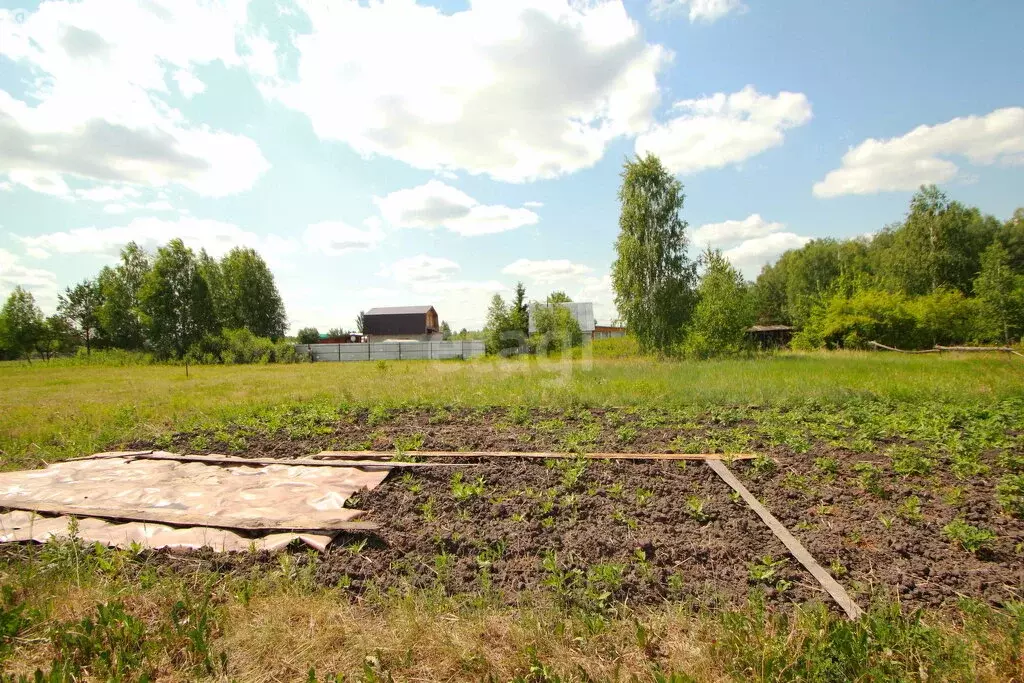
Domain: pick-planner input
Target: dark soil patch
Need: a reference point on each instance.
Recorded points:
(606, 540)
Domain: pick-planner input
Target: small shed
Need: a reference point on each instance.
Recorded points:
(770, 336)
(406, 323)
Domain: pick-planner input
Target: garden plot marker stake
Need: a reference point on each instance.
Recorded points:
(794, 546)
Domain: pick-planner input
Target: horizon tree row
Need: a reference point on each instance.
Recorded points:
(171, 302)
(945, 274)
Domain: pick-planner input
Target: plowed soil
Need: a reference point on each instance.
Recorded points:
(658, 529)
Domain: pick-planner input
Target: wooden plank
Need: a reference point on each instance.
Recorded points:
(307, 522)
(516, 454)
(253, 462)
(794, 546)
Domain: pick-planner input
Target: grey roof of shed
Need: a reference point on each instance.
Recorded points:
(398, 310)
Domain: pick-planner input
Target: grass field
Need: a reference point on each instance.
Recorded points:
(884, 466)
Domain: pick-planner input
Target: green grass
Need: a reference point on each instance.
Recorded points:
(75, 612)
(57, 412)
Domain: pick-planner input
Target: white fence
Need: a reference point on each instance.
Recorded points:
(392, 351)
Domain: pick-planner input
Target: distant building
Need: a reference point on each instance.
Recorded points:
(770, 336)
(608, 331)
(402, 323)
(582, 311)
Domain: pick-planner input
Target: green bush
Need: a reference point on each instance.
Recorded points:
(1010, 494)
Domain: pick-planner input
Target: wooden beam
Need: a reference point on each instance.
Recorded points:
(254, 462)
(794, 546)
(516, 454)
(307, 522)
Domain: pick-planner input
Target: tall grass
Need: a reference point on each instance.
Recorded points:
(53, 411)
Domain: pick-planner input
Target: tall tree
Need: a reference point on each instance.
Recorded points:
(119, 315)
(250, 296)
(210, 269)
(56, 335)
(80, 306)
(175, 301)
(933, 246)
(652, 277)
(723, 311)
(497, 327)
(519, 310)
(1001, 292)
(21, 323)
(559, 297)
(446, 331)
(361, 322)
(308, 335)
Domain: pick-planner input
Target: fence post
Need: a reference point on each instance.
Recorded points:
(339, 353)
(399, 350)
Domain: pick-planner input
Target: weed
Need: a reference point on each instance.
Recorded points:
(953, 496)
(357, 547)
(572, 471)
(735, 497)
(491, 553)
(404, 444)
(615, 490)
(1010, 494)
(518, 414)
(910, 509)
(763, 465)
(643, 496)
(695, 508)
(971, 538)
(886, 521)
(837, 568)
(626, 433)
(429, 510)
(826, 466)
(869, 476)
(765, 569)
(966, 465)
(909, 461)
(378, 414)
(463, 490)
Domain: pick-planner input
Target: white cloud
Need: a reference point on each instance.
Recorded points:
(533, 205)
(337, 237)
(41, 283)
(437, 204)
(717, 234)
(716, 131)
(550, 270)
(98, 108)
(420, 269)
(217, 237)
(189, 84)
(516, 90)
(699, 10)
(750, 255)
(919, 157)
(107, 193)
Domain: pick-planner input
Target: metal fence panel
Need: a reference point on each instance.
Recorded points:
(392, 351)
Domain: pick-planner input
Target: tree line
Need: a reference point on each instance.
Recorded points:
(173, 303)
(945, 274)
(507, 330)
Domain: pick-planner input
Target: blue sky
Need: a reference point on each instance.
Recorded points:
(388, 153)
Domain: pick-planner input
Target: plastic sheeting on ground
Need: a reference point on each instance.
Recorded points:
(229, 496)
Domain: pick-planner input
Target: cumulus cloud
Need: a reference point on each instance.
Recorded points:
(515, 90)
(337, 237)
(550, 270)
(920, 156)
(751, 255)
(41, 283)
(436, 204)
(698, 10)
(721, 130)
(217, 237)
(98, 106)
(716, 234)
(420, 269)
(749, 243)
